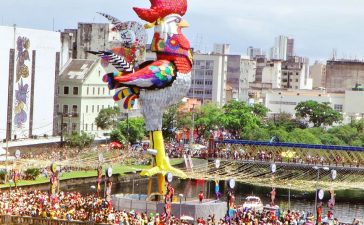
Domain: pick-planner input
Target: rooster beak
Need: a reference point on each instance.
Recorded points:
(149, 25)
(183, 23)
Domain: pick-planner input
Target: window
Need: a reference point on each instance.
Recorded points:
(66, 90)
(208, 92)
(208, 82)
(74, 109)
(92, 126)
(296, 80)
(93, 109)
(98, 108)
(75, 90)
(338, 107)
(65, 109)
(86, 108)
(103, 91)
(93, 91)
(86, 127)
(209, 72)
(87, 92)
(98, 91)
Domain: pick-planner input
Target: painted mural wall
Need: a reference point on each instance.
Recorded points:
(33, 80)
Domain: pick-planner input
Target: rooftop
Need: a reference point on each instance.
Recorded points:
(77, 69)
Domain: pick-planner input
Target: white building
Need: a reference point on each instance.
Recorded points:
(223, 49)
(29, 68)
(283, 48)
(350, 103)
(82, 95)
(209, 76)
(247, 75)
(272, 73)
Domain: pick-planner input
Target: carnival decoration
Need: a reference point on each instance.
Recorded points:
(169, 195)
(54, 179)
(99, 180)
(157, 84)
(108, 183)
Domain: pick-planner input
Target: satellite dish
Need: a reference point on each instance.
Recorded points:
(333, 174)
(17, 154)
(169, 177)
(217, 163)
(273, 168)
(231, 183)
(321, 194)
(108, 172)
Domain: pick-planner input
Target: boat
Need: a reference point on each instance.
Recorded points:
(253, 202)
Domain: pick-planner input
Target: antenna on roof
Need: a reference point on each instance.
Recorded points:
(334, 54)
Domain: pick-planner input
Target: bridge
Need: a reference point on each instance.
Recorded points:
(302, 166)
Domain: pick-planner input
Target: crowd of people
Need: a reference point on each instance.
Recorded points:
(73, 206)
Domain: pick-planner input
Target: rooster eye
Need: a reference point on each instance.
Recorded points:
(178, 20)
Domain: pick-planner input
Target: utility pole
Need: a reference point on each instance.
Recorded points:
(61, 114)
(7, 152)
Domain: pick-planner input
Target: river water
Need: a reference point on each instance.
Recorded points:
(349, 204)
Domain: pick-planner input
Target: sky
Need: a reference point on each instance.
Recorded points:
(318, 26)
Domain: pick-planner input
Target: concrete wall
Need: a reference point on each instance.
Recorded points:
(32, 109)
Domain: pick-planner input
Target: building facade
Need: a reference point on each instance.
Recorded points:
(295, 74)
(350, 104)
(82, 95)
(30, 64)
(318, 75)
(342, 75)
(283, 48)
(272, 73)
(209, 77)
(254, 52)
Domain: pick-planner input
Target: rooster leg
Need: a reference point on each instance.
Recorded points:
(162, 162)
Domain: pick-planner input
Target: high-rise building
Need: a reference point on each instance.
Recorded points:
(272, 73)
(290, 47)
(342, 75)
(240, 72)
(254, 52)
(29, 68)
(209, 74)
(283, 48)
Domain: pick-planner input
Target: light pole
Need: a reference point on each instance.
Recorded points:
(180, 205)
(289, 196)
(317, 180)
(193, 125)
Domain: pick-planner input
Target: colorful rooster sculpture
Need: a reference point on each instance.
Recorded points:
(157, 84)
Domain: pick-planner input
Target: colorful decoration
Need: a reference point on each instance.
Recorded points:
(168, 200)
(158, 84)
(22, 80)
(99, 180)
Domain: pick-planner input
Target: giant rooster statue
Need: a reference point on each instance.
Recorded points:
(157, 84)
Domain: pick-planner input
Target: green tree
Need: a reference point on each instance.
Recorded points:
(207, 118)
(256, 134)
(79, 140)
(259, 110)
(318, 113)
(117, 136)
(303, 136)
(107, 118)
(238, 117)
(346, 133)
(133, 130)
